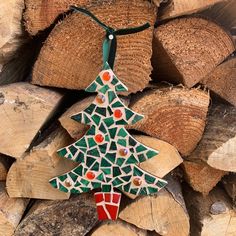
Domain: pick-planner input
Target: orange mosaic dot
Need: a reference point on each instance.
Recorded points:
(123, 151)
(137, 181)
(90, 175)
(68, 183)
(99, 138)
(106, 76)
(100, 98)
(117, 113)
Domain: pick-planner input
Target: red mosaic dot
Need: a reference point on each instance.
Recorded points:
(100, 98)
(117, 113)
(123, 151)
(90, 175)
(137, 181)
(99, 138)
(106, 76)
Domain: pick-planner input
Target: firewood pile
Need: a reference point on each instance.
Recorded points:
(181, 75)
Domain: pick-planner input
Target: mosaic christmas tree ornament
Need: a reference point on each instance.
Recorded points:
(107, 155)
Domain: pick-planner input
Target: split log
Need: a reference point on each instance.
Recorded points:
(74, 217)
(183, 7)
(229, 183)
(29, 176)
(186, 50)
(11, 31)
(201, 177)
(222, 80)
(24, 109)
(217, 146)
(5, 163)
(11, 212)
(175, 115)
(118, 228)
(83, 52)
(165, 212)
(211, 215)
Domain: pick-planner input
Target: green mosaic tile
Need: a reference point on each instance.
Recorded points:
(137, 118)
(73, 176)
(132, 142)
(101, 111)
(105, 163)
(84, 181)
(112, 132)
(75, 191)
(103, 148)
(121, 122)
(77, 117)
(73, 150)
(90, 161)
(120, 161)
(89, 110)
(109, 121)
(108, 179)
(62, 188)
(134, 191)
(86, 119)
(53, 182)
(149, 179)
(94, 152)
(152, 190)
(151, 154)
(92, 87)
(122, 142)
(128, 114)
(81, 143)
(111, 157)
(117, 104)
(107, 139)
(116, 171)
(91, 131)
(96, 185)
(91, 142)
(99, 81)
(96, 166)
(113, 146)
(161, 184)
(137, 172)
(96, 119)
(117, 181)
(131, 160)
(106, 171)
(120, 88)
(111, 96)
(79, 158)
(62, 152)
(78, 170)
(141, 157)
(127, 169)
(110, 112)
(127, 187)
(140, 148)
(114, 81)
(84, 189)
(126, 178)
(104, 89)
(106, 188)
(100, 177)
(122, 133)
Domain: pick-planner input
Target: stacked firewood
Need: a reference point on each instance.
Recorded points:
(181, 76)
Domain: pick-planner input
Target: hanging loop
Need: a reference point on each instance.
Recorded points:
(110, 41)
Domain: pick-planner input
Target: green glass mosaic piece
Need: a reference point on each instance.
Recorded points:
(81, 143)
(128, 114)
(102, 111)
(106, 188)
(77, 117)
(127, 169)
(77, 184)
(149, 179)
(94, 152)
(89, 110)
(109, 121)
(96, 166)
(79, 157)
(73, 149)
(152, 190)
(100, 177)
(117, 104)
(53, 182)
(103, 148)
(107, 139)
(127, 187)
(91, 142)
(141, 157)
(90, 161)
(122, 133)
(96, 119)
(114, 81)
(84, 189)
(140, 148)
(151, 154)
(126, 178)
(62, 188)
(105, 163)
(117, 182)
(111, 96)
(122, 142)
(92, 88)
(106, 171)
(121, 122)
(84, 150)
(110, 112)
(85, 182)
(132, 142)
(134, 191)
(99, 80)
(108, 179)
(137, 172)
(161, 184)
(112, 132)
(113, 146)
(104, 89)
(91, 131)
(75, 191)
(62, 152)
(73, 176)
(96, 185)
(137, 118)
(120, 161)
(143, 191)
(116, 171)
(131, 160)
(78, 170)
(120, 88)
(86, 119)
(111, 157)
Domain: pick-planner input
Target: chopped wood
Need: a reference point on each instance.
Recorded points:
(164, 212)
(217, 146)
(183, 7)
(201, 177)
(11, 30)
(11, 212)
(29, 176)
(186, 50)
(222, 80)
(229, 183)
(5, 163)
(83, 52)
(211, 215)
(118, 228)
(174, 114)
(74, 217)
(24, 109)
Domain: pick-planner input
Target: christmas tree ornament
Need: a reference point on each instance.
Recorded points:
(107, 155)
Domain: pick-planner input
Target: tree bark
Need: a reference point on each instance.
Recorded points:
(41, 164)
(11, 212)
(83, 54)
(186, 50)
(201, 177)
(24, 109)
(217, 147)
(74, 217)
(229, 183)
(211, 215)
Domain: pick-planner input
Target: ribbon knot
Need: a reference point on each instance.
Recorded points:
(110, 41)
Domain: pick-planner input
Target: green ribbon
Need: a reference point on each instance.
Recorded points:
(110, 41)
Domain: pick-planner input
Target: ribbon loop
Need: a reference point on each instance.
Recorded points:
(110, 41)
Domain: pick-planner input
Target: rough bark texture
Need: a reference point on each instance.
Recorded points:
(201, 177)
(11, 212)
(222, 80)
(175, 115)
(29, 175)
(183, 7)
(118, 228)
(5, 163)
(83, 52)
(186, 50)
(24, 108)
(11, 32)
(229, 183)
(217, 146)
(74, 217)
(212, 215)
(165, 212)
